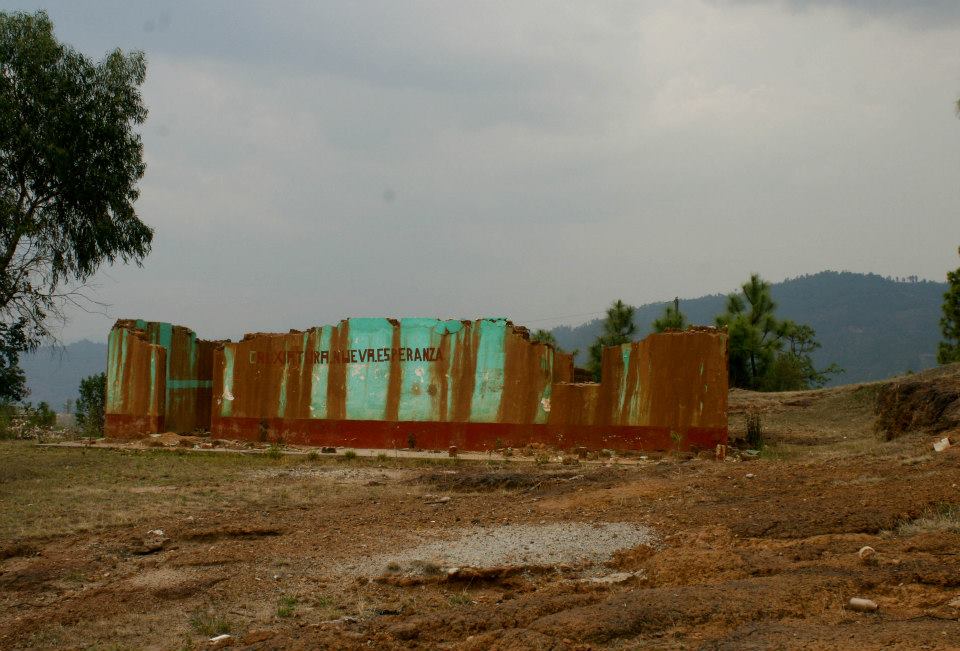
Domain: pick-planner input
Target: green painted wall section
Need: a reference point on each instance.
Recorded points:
(119, 386)
(320, 375)
(416, 401)
(226, 403)
(115, 345)
(488, 380)
(367, 382)
(423, 395)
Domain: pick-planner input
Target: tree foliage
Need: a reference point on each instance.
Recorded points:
(90, 405)
(793, 368)
(544, 337)
(618, 328)
(754, 333)
(70, 161)
(13, 383)
(949, 348)
(766, 353)
(671, 319)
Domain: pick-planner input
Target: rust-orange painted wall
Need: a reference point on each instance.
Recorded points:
(479, 384)
(136, 381)
(183, 376)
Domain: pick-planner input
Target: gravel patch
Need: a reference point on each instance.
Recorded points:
(521, 544)
(339, 475)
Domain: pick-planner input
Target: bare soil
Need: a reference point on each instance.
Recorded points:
(165, 549)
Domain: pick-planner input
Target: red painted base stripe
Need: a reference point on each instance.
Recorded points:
(125, 426)
(476, 437)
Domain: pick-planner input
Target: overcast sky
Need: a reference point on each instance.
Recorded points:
(316, 160)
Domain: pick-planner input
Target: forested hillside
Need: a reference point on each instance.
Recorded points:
(872, 326)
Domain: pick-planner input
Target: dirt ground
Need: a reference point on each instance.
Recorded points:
(168, 548)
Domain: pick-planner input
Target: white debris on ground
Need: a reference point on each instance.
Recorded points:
(570, 543)
(942, 444)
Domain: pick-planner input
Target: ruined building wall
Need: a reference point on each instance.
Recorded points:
(136, 385)
(671, 385)
(186, 370)
(431, 383)
(315, 385)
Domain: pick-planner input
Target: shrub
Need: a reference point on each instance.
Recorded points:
(41, 416)
(286, 606)
(209, 623)
(7, 413)
(754, 430)
(90, 404)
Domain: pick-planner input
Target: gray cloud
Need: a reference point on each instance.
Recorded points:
(311, 162)
(915, 13)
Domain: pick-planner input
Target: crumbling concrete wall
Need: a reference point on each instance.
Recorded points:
(430, 383)
(670, 390)
(136, 385)
(374, 371)
(187, 369)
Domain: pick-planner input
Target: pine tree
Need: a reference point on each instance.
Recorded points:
(949, 349)
(544, 337)
(757, 359)
(755, 334)
(618, 328)
(671, 319)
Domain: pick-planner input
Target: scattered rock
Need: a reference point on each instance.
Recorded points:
(955, 603)
(861, 605)
(867, 554)
(941, 445)
(438, 500)
(616, 577)
(149, 544)
(720, 454)
(346, 619)
(256, 636)
(220, 641)
(749, 475)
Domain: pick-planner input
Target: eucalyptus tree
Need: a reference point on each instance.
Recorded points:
(70, 162)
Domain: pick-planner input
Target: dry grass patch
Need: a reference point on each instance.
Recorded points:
(941, 517)
(49, 491)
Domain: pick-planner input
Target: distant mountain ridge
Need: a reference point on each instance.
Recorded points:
(874, 327)
(54, 372)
